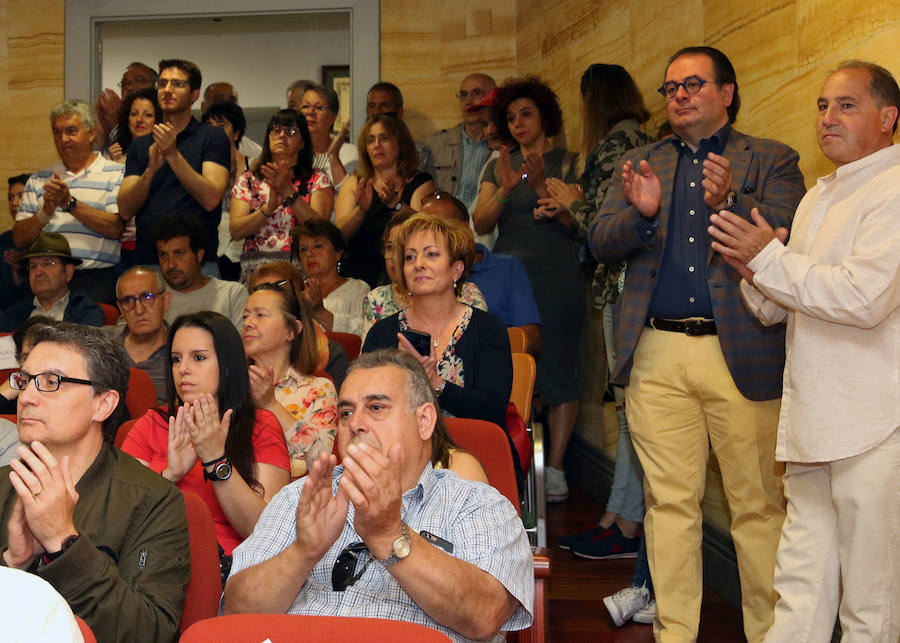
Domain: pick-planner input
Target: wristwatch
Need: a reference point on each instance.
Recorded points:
(221, 469)
(400, 549)
(71, 205)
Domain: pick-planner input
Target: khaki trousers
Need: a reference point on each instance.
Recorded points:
(842, 532)
(681, 398)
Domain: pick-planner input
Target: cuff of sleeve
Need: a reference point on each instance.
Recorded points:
(766, 255)
(646, 228)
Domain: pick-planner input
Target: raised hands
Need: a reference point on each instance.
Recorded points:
(716, 181)
(739, 240)
(563, 193)
(371, 480)
(532, 171)
(207, 429)
(180, 453)
(364, 193)
(642, 188)
(164, 136)
(342, 137)
(280, 177)
(320, 514)
(43, 516)
(262, 385)
(509, 178)
(56, 193)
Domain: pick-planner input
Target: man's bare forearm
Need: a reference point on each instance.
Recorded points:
(205, 191)
(456, 594)
(106, 223)
(269, 587)
(133, 193)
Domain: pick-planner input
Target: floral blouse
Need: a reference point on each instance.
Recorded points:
(275, 235)
(450, 365)
(380, 303)
(312, 402)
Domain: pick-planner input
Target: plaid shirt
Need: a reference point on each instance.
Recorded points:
(764, 175)
(480, 523)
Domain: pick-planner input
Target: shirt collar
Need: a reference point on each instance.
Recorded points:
(468, 141)
(487, 259)
(62, 303)
(715, 143)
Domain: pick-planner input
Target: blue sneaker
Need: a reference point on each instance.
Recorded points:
(608, 545)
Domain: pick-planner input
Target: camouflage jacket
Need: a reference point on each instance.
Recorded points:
(601, 164)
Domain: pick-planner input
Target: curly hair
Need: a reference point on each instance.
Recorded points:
(532, 88)
(124, 136)
(457, 236)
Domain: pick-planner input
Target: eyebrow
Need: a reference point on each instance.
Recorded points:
(373, 397)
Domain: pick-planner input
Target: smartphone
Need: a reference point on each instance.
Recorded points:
(419, 340)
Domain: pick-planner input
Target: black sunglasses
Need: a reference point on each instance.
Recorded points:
(343, 574)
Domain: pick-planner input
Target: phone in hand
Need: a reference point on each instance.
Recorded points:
(419, 340)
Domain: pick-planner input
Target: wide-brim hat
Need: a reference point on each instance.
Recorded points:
(50, 244)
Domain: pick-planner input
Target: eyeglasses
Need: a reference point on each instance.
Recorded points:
(691, 84)
(278, 130)
(319, 108)
(343, 573)
(162, 83)
(45, 382)
(147, 300)
(475, 93)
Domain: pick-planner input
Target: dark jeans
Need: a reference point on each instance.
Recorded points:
(641, 575)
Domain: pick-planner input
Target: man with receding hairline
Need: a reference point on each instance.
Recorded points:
(461, 151)
(837, 285)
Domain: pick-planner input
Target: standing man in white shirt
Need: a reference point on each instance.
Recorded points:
(837, 284)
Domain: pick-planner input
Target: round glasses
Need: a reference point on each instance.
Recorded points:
(147, 300)
(691, 84)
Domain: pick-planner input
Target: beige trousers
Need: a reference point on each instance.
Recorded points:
(842, 532)
(681, 398)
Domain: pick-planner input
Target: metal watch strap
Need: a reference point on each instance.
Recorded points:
(398, 545)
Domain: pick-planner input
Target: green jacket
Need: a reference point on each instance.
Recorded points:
(126, 573)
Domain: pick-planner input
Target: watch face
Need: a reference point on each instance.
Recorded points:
(401, 547)
(222, 471)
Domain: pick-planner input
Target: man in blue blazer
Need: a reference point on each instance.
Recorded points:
(699, 369)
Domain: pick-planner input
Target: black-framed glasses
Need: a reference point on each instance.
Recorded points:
(343, 574)
(177, 83)
(45, 382)
(147, 300)
(278, 130)
(691, 84)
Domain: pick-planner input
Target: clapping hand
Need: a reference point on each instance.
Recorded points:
(208, 431)
(320, 515)
(642, 188)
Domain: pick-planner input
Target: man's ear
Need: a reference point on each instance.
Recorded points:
(888, 118)
(728, 94)
(200, 253)
(195, 94)
(107, 401)
(70, 271)
(426, 416)
(166, 301)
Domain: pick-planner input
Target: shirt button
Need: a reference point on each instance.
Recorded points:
(691, 212)
(691, 239)
(693, 184)
(682, 145)
(695, 161)
(690, 268)
(691, 300)
(345, 611)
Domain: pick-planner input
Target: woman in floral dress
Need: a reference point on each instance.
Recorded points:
(279, 341)
(281, 190)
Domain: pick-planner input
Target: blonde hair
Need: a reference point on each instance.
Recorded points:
(458, 237)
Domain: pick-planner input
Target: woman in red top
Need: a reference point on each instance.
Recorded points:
(235, 459)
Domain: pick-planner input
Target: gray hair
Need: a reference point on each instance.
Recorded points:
(418, 388)
(328, 95)
(143, 270)
(78, 108)
(105, 361)
(303, 83)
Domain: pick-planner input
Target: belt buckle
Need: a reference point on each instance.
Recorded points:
(693, 327)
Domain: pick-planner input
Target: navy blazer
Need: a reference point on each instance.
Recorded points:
(81, 310)
(765, 175)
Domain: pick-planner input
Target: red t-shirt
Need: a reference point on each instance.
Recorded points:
(148, 441)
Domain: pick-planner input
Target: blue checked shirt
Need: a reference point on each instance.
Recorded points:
(474, 156)
(480, 523)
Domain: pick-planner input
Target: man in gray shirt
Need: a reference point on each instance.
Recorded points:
(180, 244)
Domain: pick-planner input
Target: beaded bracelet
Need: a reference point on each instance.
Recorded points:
(498, 199)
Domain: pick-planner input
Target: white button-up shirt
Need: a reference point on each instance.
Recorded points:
(837, 283)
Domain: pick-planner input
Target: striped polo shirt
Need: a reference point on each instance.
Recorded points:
(97, 186)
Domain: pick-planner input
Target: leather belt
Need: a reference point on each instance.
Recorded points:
(690, 327)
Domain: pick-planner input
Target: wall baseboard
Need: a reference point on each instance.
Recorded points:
(589, 468)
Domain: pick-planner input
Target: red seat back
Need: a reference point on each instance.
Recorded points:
(204, 590)
(487, 442)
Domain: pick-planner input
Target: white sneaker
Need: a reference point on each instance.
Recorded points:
(555, 485)
(625, 603)
(646, 615)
